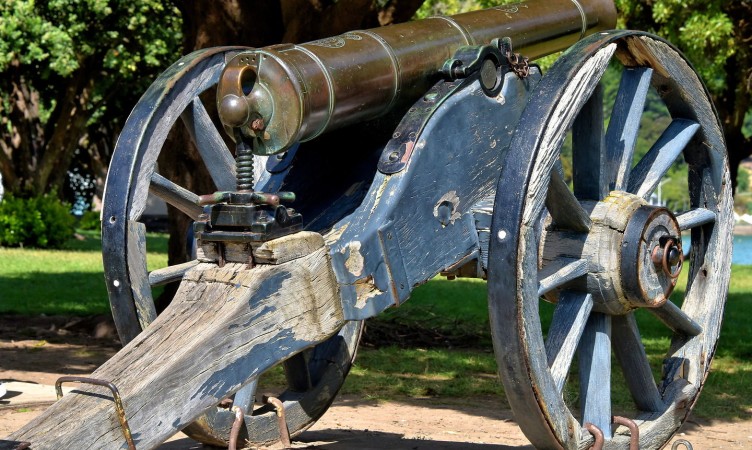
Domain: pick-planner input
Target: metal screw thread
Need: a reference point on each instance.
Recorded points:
(243, 163)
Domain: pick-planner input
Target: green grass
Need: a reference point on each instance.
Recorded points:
(392, 372)
(67, 282)
(70, 281)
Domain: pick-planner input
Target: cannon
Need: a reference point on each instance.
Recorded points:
(352, 169)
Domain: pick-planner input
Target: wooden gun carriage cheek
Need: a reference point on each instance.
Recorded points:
(364, 165)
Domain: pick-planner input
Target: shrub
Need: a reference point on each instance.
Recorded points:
(42, 221)
(90, 221)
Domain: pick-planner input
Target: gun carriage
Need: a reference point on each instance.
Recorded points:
(408, 151)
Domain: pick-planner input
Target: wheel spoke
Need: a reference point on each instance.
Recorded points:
(210, 145)
(655, 164)
(594, 355)
(677, 320)
(563, 206)
(631, 354)
(695, 218)
(621, 135)
(245, 396)
(169, 274)
(567, 325)
(587, 149)
(177, 196)
(559, 273)
(297, 373)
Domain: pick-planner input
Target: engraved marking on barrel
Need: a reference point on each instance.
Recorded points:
(336, 41)
(511, 9)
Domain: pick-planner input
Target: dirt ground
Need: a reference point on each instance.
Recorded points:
(40, 351)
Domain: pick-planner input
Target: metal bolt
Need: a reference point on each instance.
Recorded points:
(394, 156)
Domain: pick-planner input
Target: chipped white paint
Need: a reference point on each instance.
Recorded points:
(453, 201)
(355, 261)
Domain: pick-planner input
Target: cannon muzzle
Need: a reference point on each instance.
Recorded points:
(288, 93)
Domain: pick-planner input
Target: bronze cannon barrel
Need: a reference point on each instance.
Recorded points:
(287, 93)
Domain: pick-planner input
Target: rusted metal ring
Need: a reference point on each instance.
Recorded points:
(115, 396)
(284, 433)
(665, 262)
(634, 431)
(235, 431)
(597, 434)
(683, 442)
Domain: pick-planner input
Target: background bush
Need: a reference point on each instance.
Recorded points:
(90, 221)
(43, 222)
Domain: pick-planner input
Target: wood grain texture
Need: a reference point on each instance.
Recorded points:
(169, 274)
(695, 218)
(634, 362)
(224, 326)
(559, 273)
(288, 248)
(588, 143)
(212, 148)
(139, 277)
(570, 316)
(677, 320)
(177, 196)
(658, 160)
(594, 356)
(563, 206)
(621, 135)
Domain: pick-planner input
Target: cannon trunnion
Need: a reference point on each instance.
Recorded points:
(366, 164)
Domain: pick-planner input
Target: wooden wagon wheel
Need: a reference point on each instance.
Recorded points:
(315, 376)
(600, 253)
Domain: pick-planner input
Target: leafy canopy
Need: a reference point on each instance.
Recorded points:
(703, 30)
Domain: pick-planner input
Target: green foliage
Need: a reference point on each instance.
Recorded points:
(451, 7)
(702, 29)
(42, 222)
(90, 221)
(58, 35)
(742, 180)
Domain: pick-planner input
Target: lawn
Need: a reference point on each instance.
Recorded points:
(70, 282)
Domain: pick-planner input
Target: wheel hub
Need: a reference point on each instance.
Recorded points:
(633, 252)
(651, 256)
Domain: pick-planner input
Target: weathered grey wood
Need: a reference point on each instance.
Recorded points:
(676, 319)
(177, 196)
(559, 273)
(169, 274)
(137, 272)
(621, 135)
(588, 142)
(563, 206)
(217, 157)
(224, 327)
(539, 406)
(287, 248)
(655, 164)
(634, 362)
(245, 397)
(695, 218)
(570, 316)
(594, 356)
